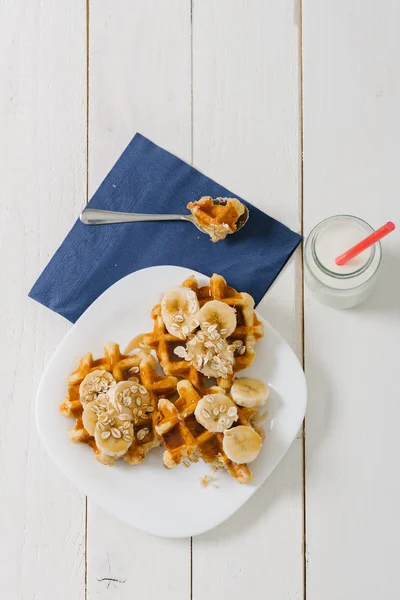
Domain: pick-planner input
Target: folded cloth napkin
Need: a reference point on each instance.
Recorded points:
(148, 179)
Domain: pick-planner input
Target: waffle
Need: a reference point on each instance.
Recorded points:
(140, 367)
(185, 439)
(218, 220)
(248, 330)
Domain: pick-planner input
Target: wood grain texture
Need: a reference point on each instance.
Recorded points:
(121, 561)
(258, 550)
(139, 81)
(351, 138)
(246, 135)
(42, 164)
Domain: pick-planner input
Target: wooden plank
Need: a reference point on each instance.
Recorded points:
(351, 135)
(42, 163)
(139, 81)
(258, 550)
(246, 135)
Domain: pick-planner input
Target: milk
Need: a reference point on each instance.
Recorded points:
(340, 286)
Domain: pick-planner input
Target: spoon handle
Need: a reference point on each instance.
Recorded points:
(95, 216)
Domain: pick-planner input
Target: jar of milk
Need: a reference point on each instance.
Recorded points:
(347, 285)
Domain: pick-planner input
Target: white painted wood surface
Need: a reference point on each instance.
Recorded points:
(216, 82)
(43, 185)
(351, 149)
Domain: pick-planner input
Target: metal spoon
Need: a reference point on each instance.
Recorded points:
(95, 216)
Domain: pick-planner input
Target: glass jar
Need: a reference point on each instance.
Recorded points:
(352, 283)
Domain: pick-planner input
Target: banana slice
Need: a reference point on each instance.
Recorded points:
(114, 433)
(250, 393)
(209, 353)
(216, 412)
(91, 412)
(241, 444)
(132, 398)
(97, 385)
(220, 314)
(178, 310)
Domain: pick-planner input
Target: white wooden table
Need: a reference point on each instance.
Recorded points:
(296, 108)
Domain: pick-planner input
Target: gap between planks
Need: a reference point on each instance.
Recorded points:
(87, 200)
(191, 162)
(300, 17)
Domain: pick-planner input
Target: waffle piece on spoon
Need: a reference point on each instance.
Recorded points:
(219, 217)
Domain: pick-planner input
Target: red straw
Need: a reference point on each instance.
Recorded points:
(364, 244)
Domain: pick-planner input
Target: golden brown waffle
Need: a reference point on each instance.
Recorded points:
(185, 439)
(217, 219)
(248, 330)
(141, 367)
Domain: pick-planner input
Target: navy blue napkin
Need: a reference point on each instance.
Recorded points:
(148, 179)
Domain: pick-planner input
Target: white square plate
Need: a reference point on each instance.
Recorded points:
(148, 496)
